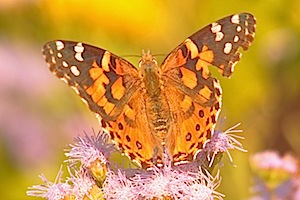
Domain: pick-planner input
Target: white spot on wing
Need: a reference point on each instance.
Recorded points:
(86, 102)
(75, 71)
(232, 66)
(215, 27)
(75, 89)
(236, 38)
(219, 36)
(235, 19)
(53, 60)
(227, 48)
(238, 28)
(79, 49)
(79, 57)
(246, 31)
(65, 64)
(64, 80)
(59, 45)
(59, 55)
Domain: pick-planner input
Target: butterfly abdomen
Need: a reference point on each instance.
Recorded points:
(158, 116)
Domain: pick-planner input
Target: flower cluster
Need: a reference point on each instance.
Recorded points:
(93, 176)
(276, 176)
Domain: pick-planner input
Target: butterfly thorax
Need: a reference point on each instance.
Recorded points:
(157, 108)
(150, 74)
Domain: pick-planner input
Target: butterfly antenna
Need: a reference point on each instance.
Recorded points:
(135, 56)
(143, 52)
(160, 54)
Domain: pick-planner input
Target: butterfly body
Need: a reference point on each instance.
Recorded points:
(172, 107)
(156, 105)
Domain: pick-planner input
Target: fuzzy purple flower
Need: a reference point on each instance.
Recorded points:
(97, 178)
(267, 160)
(219, 143)
(275, 176)
(205, 187)
(118, 186)
(89, 150)
(54, 191)
(160, 183)
(78, 186)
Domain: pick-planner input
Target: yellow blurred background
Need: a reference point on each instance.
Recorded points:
(40, 115)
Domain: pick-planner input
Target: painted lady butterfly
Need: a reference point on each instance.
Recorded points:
(150, 109)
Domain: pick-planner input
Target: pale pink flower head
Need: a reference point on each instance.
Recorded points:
(276, 175)
(271, 160)
(87, 151)
(166, 182)
(96, 177)
(219, 143)
(52, 191)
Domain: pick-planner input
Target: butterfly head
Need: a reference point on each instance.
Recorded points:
(147, 61)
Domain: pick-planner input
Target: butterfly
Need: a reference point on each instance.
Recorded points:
(152, 108)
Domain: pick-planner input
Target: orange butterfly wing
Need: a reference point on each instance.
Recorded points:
(111, 87)
(194, 95)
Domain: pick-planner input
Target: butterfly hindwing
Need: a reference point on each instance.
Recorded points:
(132, 134)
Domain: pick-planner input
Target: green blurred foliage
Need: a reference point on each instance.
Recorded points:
(263, 93)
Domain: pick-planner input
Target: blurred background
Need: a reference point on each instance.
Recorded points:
(40, 115)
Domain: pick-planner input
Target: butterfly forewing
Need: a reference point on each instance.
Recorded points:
(218, 44)
(91, 72)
